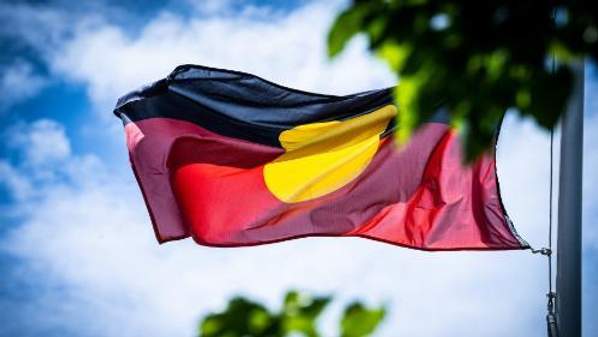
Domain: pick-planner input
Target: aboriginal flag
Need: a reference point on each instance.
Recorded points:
(231, 159)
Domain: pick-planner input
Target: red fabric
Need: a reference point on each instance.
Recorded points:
(200, 184)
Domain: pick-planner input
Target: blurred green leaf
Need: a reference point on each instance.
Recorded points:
(259, 321)
(241, 318)
(245, 318)
(394, 54)
(347, 24)
(301, 311)
(476, 59)
(359, 321)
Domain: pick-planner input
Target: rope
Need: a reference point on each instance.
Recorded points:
(551, 294)
(550, 306)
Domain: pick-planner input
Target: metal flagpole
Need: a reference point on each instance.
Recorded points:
(568, 275)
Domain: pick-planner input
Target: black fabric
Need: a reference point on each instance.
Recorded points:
(241, 105)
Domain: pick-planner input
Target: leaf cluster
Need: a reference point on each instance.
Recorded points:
(477, 59)
(297, 317)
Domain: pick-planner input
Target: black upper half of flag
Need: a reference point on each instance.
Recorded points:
(241, 105)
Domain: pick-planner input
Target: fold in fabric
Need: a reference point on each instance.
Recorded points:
(231, 159)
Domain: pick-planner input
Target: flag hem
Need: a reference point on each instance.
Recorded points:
(524, 244)
(361, 236)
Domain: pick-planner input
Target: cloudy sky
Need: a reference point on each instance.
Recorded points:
(77, 252)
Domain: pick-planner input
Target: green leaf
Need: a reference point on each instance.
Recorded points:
(394, 54)
(210, 326)
(359, 321)
(240, 318)
(300, 313)
(494, 56)
(259, 321)
(291, 301)
(346, 25)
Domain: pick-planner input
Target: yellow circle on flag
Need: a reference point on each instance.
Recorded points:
(322, 157)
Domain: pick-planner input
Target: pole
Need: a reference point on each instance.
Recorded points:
(568, 275)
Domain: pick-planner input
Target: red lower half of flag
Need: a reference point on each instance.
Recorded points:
(224, 191)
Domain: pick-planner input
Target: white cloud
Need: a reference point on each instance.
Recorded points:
(88, 233)
(213, 7)
(40, 146)
(17, 185)
(43, 142)
(287, 49)
(38, 26)
(19, 82)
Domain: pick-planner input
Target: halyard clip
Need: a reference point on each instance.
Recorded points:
(543, 251)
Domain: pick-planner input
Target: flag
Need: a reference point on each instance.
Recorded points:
(231, 159)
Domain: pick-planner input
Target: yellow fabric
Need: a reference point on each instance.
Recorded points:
(322, 157)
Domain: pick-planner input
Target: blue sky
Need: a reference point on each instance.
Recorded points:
(77, 252)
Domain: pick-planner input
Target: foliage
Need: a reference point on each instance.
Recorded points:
(360, 321)
(298, 316)
(476, 58)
